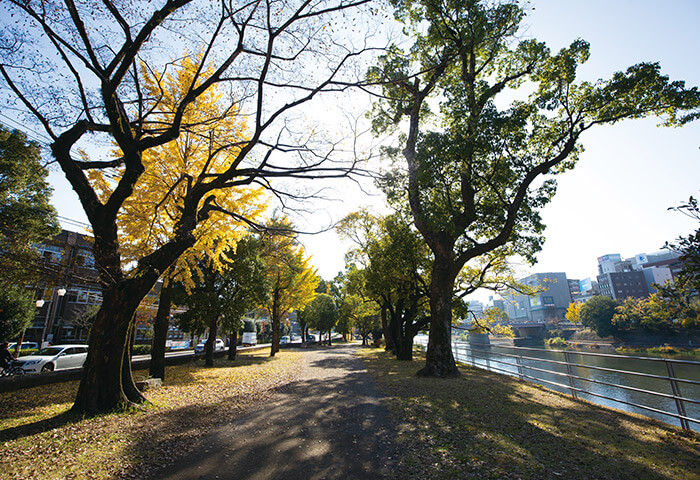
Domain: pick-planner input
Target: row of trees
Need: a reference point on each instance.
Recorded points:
(474, 174)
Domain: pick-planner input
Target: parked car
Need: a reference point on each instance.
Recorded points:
(311, 338)
(295, 338)
(55, 357)
(25, 346)
(219, 346)
(284, 340)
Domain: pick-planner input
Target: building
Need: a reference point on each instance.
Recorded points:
(547, 306)
(69, 291)
(68, 287)
(635, 277)
(620, 285)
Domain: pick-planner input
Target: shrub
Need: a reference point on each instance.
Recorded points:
(555, 342)
(141, 350)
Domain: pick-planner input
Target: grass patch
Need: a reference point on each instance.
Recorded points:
(41, 438)
(487, 426)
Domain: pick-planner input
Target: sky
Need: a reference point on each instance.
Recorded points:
(616, 199)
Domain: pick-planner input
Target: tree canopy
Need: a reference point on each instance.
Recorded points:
(477, 171)
(26, 217)
(95, 77)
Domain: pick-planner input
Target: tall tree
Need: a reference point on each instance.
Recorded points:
(223, 292)
(322, 314)
(477, 173)
(395, 259)
(597, 314)
(292, 281)
(80, 78)
(26, 217)
(147, 217)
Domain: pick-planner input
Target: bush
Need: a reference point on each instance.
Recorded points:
(141, 350)
(555, 342)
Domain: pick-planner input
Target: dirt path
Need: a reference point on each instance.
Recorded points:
(328, 425)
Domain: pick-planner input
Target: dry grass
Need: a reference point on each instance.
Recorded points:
(487, 426)
(40, 438)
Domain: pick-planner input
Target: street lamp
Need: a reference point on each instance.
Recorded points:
(50, 314)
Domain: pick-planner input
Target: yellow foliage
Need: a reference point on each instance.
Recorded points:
(211, 140)
(293, 281)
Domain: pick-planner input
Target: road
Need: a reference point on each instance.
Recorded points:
(329, 425)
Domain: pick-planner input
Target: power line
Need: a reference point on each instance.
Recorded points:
(32, 134)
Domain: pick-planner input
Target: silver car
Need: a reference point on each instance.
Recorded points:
(55, 357)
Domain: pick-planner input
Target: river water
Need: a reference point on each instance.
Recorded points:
(496, 357)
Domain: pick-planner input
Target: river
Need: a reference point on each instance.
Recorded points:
(494, 356)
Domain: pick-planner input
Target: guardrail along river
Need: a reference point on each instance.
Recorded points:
(665, 389)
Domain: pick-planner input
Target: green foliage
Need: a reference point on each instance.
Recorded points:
(16, 311)
(555, 342)
(225, 293)
(477, 173)
(26, 217)
(249, 325)
(689, 248)
(141, 350)
(322, 312)
(597, 314)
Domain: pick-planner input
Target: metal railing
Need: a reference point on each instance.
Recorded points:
(520, 362)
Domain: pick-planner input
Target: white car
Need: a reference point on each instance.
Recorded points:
(55, 357)
(219, 346)
(284, 340)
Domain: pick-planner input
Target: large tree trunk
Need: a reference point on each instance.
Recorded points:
(386, 331)
(405, 350)
(211, 342)
(101, 388)
(439, 361)
(232, 345)
(160, 333)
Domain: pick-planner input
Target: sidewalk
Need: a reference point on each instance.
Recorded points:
(329, 425)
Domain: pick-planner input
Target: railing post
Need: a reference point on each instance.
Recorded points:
(518, 359)
(676, 389)
(569, 373)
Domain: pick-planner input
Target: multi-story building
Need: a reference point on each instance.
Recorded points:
(620, 285)
(635, 277)
(548, 305)
(69, 291)
(69, 285)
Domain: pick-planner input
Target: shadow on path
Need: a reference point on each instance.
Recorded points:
(329, 425)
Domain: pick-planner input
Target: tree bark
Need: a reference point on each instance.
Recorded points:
(405, 350)
(386, 331)
(211, 342)
(439, 361)
(130, 390)
(101, 388)
(160, 333)
(232, 345)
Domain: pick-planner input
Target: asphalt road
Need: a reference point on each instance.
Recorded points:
(329, 425)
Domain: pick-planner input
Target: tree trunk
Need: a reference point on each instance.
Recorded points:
(276, 334)
(388, 339)
(100, 388)
(160, 333)
(132, 392)
(329, 337)
(211, 342)
(439, 361)
(232, 345)
(405, 350)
